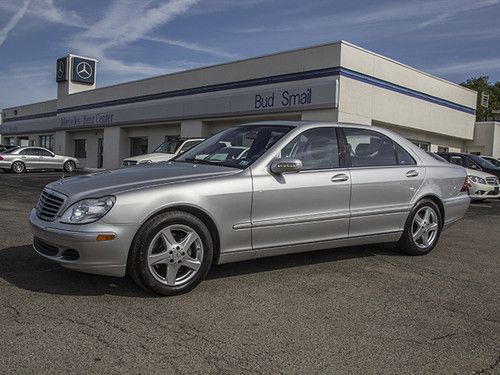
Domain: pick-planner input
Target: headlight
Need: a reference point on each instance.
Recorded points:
(145, 161)
(88, 210)
(477, 179)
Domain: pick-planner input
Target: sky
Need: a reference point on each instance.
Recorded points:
(134, 39)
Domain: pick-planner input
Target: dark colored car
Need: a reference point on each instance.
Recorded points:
(470, 161)
(4, 148)
(492, 160)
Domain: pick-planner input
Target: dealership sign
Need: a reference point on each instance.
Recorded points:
(97, 119)
(283, 98)
(83, 70)
(62, 69)
(290, 96)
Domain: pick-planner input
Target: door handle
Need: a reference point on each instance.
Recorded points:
(412, 173)
(341, 177)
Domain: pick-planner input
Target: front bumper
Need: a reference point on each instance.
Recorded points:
(75, 246)
(483, 191)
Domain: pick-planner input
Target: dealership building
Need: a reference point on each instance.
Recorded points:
(331, 82)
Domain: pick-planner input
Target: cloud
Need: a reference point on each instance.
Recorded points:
(4, 32)
(27, 82)
(118, 29)
(46, 10)
(214, 51)
(476, 66)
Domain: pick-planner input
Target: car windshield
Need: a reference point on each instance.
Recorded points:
(483, 163)
(493, 161)
(169, 147)
(236, 147)
(10, 150)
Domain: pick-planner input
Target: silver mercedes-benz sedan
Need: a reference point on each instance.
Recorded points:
(21, 159)
(299, 186)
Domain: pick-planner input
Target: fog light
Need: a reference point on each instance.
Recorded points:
(105, 237)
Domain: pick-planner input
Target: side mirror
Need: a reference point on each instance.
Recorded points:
(284, 165)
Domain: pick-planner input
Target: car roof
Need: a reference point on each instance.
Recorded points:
(300, 123)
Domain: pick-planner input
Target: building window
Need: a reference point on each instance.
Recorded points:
(9, 141)
(138, 146)
(47, 141)
(81, 148)
(23, 141)
(426, 146)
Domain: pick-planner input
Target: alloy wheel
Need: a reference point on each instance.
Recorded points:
(18, 167)
(175, 255)
(425, 226)
(69, 166)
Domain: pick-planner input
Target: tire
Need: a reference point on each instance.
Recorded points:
(158, 260)
(422, 229)
(18, 167)
(69, 166)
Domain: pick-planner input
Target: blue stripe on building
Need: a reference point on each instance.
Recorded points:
(300, 76)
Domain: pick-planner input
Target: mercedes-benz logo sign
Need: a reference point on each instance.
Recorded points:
(84, 70)
(60, 69)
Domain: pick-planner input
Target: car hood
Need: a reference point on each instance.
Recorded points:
(475, 172)
(114, 181)
(155, 157)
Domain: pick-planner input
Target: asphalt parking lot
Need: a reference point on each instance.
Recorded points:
(362, 310)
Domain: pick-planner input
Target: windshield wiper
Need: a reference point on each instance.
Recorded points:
(208, 162)
(200, 161)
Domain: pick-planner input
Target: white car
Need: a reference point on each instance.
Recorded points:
(164, 152)
(482, 185)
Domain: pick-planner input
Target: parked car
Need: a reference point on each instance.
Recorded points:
(470, 161)
(21, 159)
(5, 148)
(164, 152)
(492, 160)
(300, 186)
(481, 185)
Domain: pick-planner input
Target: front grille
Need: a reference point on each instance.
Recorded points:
(492, 180)
(49, 205)
(44, 247)
(127, 163)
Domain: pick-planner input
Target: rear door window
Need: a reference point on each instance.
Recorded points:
(368, 148)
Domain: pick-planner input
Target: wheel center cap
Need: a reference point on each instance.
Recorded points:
(176, 254)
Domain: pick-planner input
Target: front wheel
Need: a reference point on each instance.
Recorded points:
(69, 166)
(171, 253)
(18, 167)
(423, 228)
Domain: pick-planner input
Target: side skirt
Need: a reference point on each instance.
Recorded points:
(238, 256)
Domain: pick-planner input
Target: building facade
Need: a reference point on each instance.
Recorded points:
(486, 139)
(332, 82)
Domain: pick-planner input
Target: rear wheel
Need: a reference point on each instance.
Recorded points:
(18, 167)
(171, 253)
(69, 166)
(423, 228)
